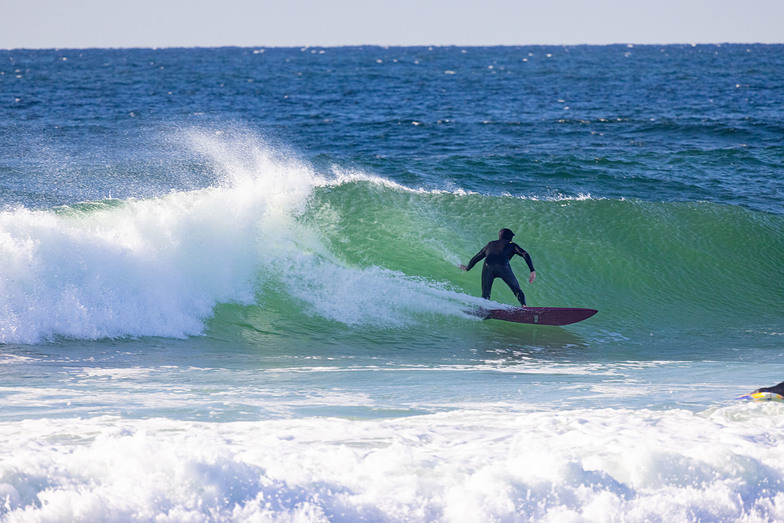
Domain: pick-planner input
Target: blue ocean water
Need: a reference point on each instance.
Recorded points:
(229, 285)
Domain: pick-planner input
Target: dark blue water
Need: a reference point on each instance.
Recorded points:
(658, 123)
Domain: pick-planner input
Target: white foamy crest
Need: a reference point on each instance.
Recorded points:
(343, 176)
(148, 267)
(154, 267)
(294, 254)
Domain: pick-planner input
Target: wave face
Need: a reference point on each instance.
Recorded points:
(357, 249)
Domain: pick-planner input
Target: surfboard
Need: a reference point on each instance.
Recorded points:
(538, 315)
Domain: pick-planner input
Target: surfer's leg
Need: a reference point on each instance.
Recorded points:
(488, 275)
(509, 278)
(520, 296)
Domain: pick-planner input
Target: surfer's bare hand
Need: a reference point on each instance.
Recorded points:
(532, 277)
(462, 267)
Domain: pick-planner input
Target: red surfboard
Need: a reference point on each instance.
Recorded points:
(538, 315)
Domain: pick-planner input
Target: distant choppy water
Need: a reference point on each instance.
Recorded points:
(228, 284)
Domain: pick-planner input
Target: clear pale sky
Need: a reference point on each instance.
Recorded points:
(251, 23)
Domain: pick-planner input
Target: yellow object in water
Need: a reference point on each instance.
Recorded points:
(762, 396)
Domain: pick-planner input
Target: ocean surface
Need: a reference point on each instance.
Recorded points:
(229, 286)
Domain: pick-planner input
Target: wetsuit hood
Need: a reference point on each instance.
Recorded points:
(505, 234)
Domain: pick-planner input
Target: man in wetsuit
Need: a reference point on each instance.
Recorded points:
(497, 255)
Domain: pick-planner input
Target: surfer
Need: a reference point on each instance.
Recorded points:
(497, 254)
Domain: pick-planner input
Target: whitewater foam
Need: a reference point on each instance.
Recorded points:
(152, 267)
(578, 465)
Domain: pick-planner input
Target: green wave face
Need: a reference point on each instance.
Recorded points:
(636, 261)
(372, 265)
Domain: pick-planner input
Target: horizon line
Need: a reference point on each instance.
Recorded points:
(385, 46)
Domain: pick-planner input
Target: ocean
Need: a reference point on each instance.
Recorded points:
(229, 284)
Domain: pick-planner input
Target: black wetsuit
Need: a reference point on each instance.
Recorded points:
(497, 255)
(776, 389)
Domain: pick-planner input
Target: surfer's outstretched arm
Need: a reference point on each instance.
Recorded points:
(474, 260)
(527, 257)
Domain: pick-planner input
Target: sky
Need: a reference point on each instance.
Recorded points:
(284, 23)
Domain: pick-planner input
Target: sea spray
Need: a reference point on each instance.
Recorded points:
(145, 267)
(293, 253)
